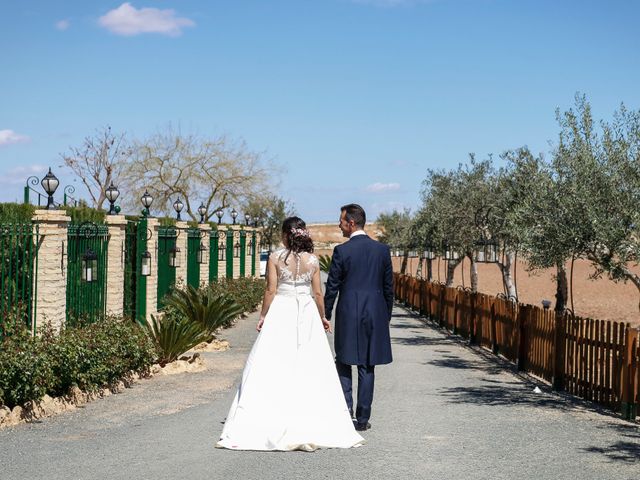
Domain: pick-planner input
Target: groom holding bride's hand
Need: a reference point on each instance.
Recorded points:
(362, 274)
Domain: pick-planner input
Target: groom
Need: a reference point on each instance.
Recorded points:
(361, 272)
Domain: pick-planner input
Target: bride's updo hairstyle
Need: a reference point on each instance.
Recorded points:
(298, 240)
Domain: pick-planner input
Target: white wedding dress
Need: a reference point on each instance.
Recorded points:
(290, 397)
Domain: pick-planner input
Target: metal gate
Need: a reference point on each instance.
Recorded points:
(213, 255)
(86, 272)
(135, 284)
(18, 272)
(166, 273)
(229, 254)
(193, 267)
(243, 252)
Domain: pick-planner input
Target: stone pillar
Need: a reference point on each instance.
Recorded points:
(205, 228)
(117, 225)
(236, 260)
(222, 264)
(153, 225)
(50, 289)
(182, 244)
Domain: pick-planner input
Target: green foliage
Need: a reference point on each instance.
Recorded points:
(90, 358)
(16, 212)
(173, 334)
(167, 221)
(325, 263)
(83, 213)
(270, 211)
(209, 309)
(247, 292)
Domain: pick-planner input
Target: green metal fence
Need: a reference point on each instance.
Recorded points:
(166, 273)
(193, 267)
(243, 252)
(229, 253)
(213, 255)
(86, 271)
(135, 284)
(18, 271)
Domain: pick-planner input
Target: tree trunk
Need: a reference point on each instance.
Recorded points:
(429, 271)
(561, 287)
(403, 267)
(507, 277)
(451, 269)
(474, 276)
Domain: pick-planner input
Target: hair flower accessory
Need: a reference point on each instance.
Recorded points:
(300, 232)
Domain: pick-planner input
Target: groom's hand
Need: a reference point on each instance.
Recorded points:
(327, 325)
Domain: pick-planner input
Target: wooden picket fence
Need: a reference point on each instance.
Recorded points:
(597, 360)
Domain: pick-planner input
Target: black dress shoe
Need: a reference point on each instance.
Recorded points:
(361, 427)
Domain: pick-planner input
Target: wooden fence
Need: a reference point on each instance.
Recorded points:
(596, 360)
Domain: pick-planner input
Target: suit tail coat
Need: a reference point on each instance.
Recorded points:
(362, 275)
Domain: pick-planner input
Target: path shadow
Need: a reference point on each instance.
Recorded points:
(627, 449)
(457, 363)
(421, 341)
(504, 395)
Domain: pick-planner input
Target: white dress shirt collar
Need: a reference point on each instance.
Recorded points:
(357, 232)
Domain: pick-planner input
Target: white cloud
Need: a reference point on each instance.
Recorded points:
(7, 137)
(383, 187)
(18, 175)
(63, 24)
(127, 20)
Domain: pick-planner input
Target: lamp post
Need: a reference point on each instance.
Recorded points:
(202, 210)
(146, 200)
(234, 214)
(219, 214)
(247, 217)
(178, 206)
(145, 265)
(50, 183)
(112, 194)
(89, 266)
(201, 254)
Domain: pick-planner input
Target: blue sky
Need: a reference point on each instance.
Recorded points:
(356, 98)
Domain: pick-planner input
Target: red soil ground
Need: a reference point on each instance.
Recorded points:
(600, 299)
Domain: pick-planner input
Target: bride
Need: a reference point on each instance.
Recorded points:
(290, 396)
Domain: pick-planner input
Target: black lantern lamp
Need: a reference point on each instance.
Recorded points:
(89, 266)
(145, 265)
(234, 214)
(486, 251)
(178, 206)
(201, 254)
(236, 250)
(250, 246)
(146, 200)
(219, 214)
(50, 183)
(221, 251)
(247, 217)
(449, 253)
(174, 257)
(112, 194)
(202, 210)
(429, 252)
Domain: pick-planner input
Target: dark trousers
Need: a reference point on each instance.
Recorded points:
(365, 389)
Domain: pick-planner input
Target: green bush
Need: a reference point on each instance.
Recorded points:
(247, 292)
(16, 212)
(173, 334)
(325, 263)
(90, 357)
(84, 213)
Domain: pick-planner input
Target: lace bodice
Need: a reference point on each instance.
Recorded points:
(297, 269)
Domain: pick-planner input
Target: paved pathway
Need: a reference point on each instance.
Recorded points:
(441, 411)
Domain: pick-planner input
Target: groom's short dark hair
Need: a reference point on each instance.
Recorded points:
(356, 213)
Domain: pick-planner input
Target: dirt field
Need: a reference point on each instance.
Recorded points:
(601, 299)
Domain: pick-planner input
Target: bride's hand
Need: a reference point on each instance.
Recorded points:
(260, 322)
(326, 324)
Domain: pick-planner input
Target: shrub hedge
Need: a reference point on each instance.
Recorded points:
(90, 358)
(247, 292)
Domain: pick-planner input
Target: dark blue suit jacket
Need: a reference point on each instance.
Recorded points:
(361, 272)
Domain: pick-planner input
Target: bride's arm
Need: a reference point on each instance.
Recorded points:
(319, 298)
(270, 291)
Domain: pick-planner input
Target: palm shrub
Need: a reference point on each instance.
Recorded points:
(173, 335)
(204, 307)
(325, 263)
